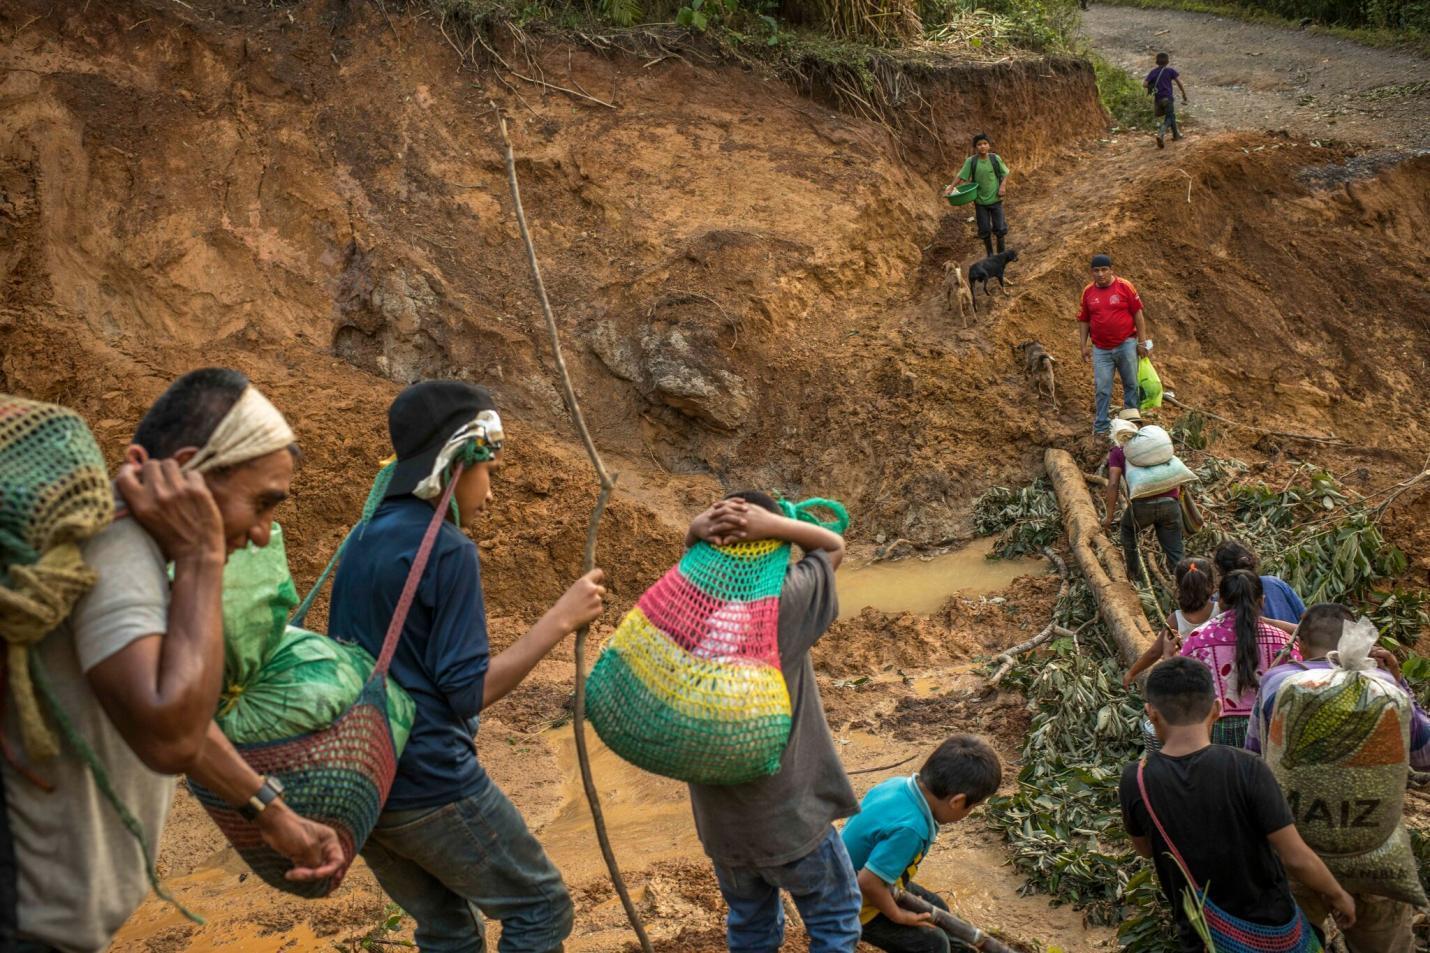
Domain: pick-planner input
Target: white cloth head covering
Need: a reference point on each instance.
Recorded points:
(486, 425)
(1122, 431)
(252, 428)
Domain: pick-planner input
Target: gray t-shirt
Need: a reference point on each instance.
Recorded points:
(81, 872)
(781, 818)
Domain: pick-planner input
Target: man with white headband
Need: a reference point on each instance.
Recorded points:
(448, 843)
(138, 666)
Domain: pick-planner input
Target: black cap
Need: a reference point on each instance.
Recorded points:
(1102, 261)
(421, 420)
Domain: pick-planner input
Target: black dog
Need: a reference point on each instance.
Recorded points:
(991, 268)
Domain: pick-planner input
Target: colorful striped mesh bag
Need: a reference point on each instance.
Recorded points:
(690, 686)
(339, 776)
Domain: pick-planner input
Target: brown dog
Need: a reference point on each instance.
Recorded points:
(957, 293)
(1036, 362)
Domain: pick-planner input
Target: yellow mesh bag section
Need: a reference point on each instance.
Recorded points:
(54, 495)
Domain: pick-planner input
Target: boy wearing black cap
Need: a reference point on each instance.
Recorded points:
(448, 842)
(1113, 334)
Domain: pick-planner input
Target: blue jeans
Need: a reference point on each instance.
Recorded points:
(1123, 360)
(824, 890)
(448, 866)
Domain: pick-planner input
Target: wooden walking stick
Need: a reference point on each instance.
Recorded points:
(952, 925)
(608, 484)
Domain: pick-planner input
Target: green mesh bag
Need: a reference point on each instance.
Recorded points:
(689, 685)
(280, 680)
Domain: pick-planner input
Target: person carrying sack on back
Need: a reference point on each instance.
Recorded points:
(1212, 818)
(137, 665)
(777, 832)
(1162, 512)
(1382, 922)
(1158, 84)
(988, 169)
(432, 850)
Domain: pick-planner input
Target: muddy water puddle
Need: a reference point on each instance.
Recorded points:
(922, 585)
(648, 817)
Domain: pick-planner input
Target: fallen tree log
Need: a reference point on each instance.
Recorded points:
(1098, 559)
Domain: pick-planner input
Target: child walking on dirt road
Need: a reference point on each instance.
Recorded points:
(777, 833)
(1215, 814)
(896, 825)
(1159, 86)
(433, 847)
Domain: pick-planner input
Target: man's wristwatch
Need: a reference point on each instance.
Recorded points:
(269, 791)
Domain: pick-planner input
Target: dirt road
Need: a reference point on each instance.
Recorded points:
(1248, 76)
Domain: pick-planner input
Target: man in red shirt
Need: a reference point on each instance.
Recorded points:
(1113, 333)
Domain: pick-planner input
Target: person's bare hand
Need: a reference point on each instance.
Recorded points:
(1387, 661)
(909, 918)
(313, 848)
(717, 524)
(759, 523)
(174, 507)
(1343, 908)
(583, 602)
(1086, 354)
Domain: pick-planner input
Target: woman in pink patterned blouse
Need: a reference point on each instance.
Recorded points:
(1238, 646)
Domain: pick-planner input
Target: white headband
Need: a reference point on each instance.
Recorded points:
(486, 428)
(252, 428)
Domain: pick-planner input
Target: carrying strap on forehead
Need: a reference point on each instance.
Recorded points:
(252, 428)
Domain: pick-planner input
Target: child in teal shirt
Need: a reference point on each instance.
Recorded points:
(897, 823)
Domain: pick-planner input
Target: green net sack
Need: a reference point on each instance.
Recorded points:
(1338, 741)
(690, 686)
(279, 680)
(54, 495)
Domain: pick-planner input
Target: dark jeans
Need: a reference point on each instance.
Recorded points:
(449, 866)
(824, 891)
(894, 937)
(991, 222)
(1168, 122)
(1161, 513)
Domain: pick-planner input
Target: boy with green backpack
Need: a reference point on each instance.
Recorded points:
(988, 169)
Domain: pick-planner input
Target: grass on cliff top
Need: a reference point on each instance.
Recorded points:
(1413, 40)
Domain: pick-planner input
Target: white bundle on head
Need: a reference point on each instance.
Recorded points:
(1123, 431)
(1352, 652)
(252, 428)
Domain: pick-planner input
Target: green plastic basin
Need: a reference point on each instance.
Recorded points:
(963, 194)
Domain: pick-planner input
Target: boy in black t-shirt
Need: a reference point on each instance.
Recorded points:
(1222, 809)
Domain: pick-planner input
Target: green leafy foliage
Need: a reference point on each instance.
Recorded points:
(1024, 520)
(1122, 95)
(1063, 824)
(622, 12)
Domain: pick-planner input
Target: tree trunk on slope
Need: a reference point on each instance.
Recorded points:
(1098, 559)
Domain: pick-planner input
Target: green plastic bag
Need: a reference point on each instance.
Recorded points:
(1149, 385)
(258, 597)
(281, 681)
(304, 684)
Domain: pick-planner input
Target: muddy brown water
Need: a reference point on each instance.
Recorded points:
(922, 585)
